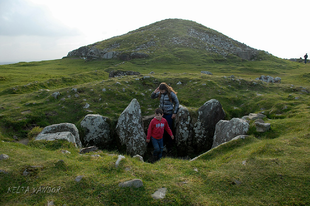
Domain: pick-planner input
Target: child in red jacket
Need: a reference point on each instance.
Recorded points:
(156, 131)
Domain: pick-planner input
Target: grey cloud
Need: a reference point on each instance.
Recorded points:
(19, 17)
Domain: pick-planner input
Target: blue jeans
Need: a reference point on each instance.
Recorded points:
(158, 145)
(167, 139)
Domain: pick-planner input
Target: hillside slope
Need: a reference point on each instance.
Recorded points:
(167, 37)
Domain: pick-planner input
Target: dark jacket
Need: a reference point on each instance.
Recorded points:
(165, 103)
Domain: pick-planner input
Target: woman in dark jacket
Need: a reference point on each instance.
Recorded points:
(169, 103)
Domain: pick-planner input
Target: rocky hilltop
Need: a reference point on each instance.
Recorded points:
(167, 37)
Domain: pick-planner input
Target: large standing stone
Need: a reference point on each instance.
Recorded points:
(209, 115)
(63, 127)
(183, 131)
(227, 130)
(97, 130)
(129, 129)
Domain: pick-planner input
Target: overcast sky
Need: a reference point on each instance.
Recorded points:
(35, 30)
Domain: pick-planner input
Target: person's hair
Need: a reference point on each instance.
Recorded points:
(159, 111)
(164, 86)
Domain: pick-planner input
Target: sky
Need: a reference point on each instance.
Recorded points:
(37, 30)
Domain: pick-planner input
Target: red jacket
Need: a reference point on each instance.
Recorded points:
(156, 128)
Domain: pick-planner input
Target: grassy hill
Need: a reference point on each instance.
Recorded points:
(271, 168)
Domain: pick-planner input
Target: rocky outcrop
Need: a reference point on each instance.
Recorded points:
(118, 73)
(269, 79)
(209, 115)
(61, 131)
(223, 45)
(91, 52)
(130, 131)
(96, 130)
(227, 130)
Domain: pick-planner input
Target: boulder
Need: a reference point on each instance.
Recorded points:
(227, 130)
(62, 127)
(209, 115)
(96, 130)
(183, 131)
(56, 136)
(130, 131)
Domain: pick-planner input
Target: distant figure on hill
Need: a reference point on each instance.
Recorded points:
(306, 56)
(169, 103)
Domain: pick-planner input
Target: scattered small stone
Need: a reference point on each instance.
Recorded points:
(50, 203)
(79, 178)
(25, 173)
(195, 169)
(136, 183)
(179, 83)
(88, 149)
(4, 157)
(160, 193)
(244, 162)
(138, 157)
(4, 172)
(236, 182)
(120, 157)
(206, 72)
(86, 106)
(55, 94)
(95, 155)
(262, 127)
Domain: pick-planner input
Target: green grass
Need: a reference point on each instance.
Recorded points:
(271, 168)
